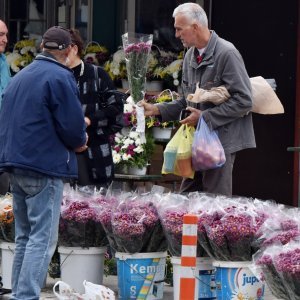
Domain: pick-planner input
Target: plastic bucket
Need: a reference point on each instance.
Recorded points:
(141, 275)
(79, 264)
(7, 251)
(235, 279)
(204, 274)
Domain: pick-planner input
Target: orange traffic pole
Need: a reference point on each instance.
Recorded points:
(188, 258)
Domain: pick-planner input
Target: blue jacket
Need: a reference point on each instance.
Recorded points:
(41, 120)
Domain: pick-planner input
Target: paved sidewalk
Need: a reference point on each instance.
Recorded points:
(112, 283)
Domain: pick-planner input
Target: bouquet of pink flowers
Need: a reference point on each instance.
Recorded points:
(137, 48)
(171, 210)
(79, 221)
(227, 226)
(133, 225)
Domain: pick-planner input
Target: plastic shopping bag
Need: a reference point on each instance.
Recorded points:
(178, 153)
(170, 152)
(183, 164)
(65, 292)
(207, 150)
(97, 292)
(92, 292)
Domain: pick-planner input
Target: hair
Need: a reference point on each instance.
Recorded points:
(77, 40)
(193, 12)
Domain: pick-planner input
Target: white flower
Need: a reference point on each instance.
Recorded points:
(138, 149)
(175, 66)
(134, 135)
(116, 157)
(175, 75)
(126, 156)
(128, 108)
(26, 49)
(176, 82)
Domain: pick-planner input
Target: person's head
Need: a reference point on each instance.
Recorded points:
(3, 36)
(57, 41)
(191, 25)
(77, 47)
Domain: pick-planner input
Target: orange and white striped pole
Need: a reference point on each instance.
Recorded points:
(188, 258)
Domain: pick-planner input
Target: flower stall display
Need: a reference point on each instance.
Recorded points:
(79, 221)
(130, 151)
(95, 54)
(23, 54)
(7, 226)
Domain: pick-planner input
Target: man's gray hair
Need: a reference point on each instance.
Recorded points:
(193, 12)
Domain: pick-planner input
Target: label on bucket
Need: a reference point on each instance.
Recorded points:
(141, 278)
(206, 285)
(238, 283)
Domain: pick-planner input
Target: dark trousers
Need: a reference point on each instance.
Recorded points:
(4, 183)
(215, 181)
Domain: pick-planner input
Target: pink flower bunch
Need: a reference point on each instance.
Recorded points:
(79, 211)
(138, 48)
(271, 277)
(133, 224)
(283, 237)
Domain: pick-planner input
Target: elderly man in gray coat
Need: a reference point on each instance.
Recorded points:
(210, 62)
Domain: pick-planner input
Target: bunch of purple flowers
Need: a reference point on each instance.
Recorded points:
(136, 227)
(137, 48)
(79, 224)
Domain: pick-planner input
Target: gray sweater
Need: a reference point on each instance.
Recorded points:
(222, 65)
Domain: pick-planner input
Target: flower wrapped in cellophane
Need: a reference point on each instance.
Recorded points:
(7, 226)
(279, 267)
(227, 226)
(171, 210)
(137, 49)
(133, 225)
(79, 224)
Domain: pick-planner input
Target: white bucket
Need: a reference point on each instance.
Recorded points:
(141, 275)
(7, 251)
(79, 264)
(235, 279)
(204, 275)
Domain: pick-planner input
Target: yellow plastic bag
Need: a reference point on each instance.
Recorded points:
(178, 153)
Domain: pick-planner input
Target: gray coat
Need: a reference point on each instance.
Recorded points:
(222, 65)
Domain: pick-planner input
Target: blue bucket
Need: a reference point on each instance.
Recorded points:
(205, 278)
(141, 275)
(235, 280)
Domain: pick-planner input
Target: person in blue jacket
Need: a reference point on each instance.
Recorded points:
(42, 125)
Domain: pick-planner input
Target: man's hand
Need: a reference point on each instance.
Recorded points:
(149, 109)
(193, 118)
(83, 147)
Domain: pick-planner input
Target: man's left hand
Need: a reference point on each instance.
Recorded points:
(193, 118)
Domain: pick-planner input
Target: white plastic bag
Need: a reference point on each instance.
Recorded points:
(65, 292)
(97, 292)
(92, 292)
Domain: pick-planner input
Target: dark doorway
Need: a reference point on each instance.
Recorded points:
(265, 32)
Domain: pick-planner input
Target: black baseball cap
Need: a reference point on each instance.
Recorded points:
(56, 37)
